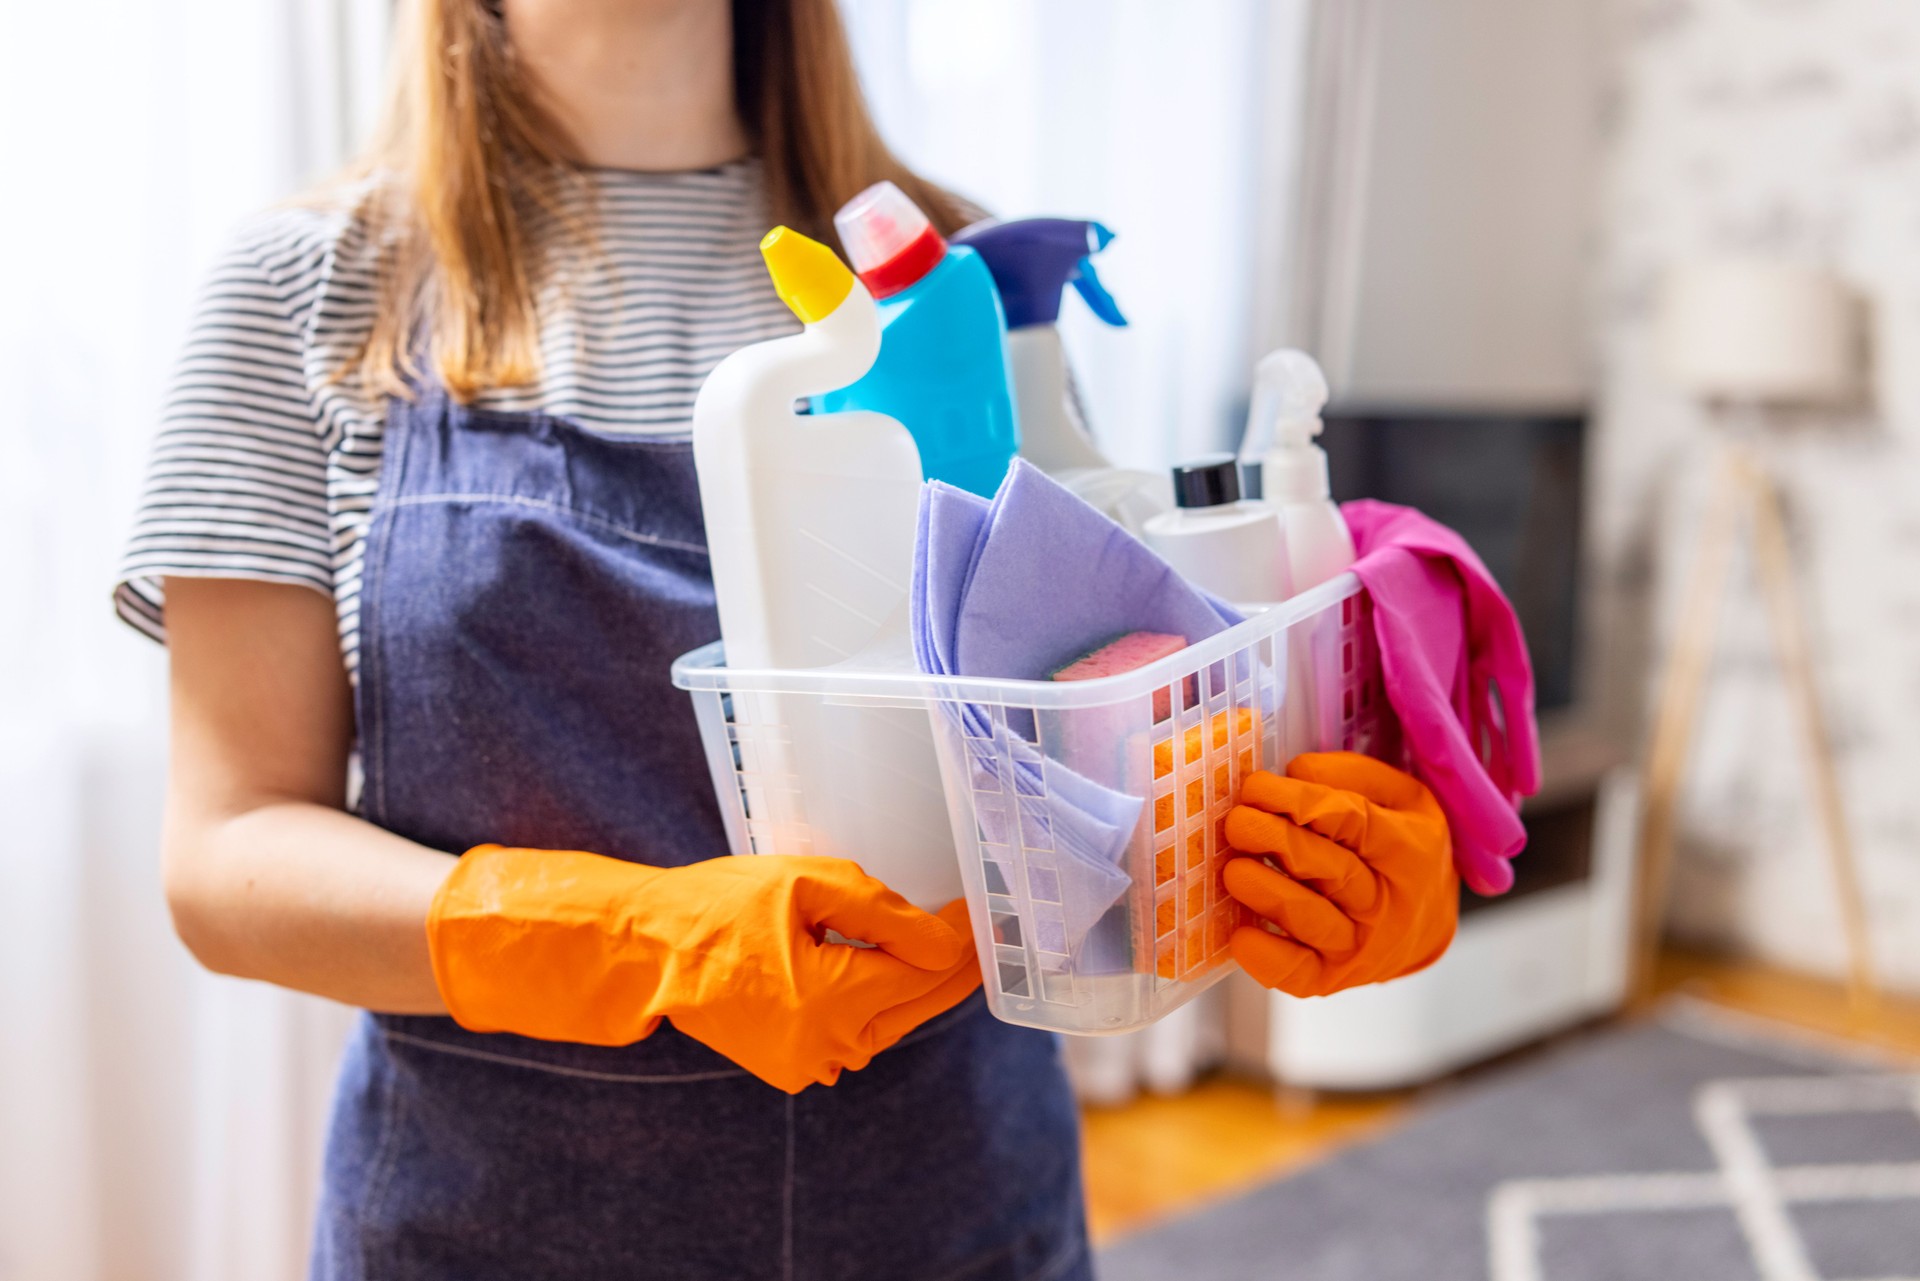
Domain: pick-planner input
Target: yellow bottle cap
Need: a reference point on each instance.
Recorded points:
(808, 276)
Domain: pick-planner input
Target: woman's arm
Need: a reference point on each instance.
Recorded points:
(266, 874)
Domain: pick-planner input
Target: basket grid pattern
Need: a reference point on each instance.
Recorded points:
(771, 799)
(1220, 724)
(1010, 771)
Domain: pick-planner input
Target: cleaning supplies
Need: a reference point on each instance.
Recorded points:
(942, 367)
(1011, 589)
(1033, 260)
(810, 523)
(1288, 471)
(1285, 468)
(1234, 549)
(810, 518)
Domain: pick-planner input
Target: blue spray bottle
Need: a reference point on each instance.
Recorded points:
(942, 370)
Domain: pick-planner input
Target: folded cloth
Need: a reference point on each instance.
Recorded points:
(1011, 589)
(1456, 672)
(1051, 578)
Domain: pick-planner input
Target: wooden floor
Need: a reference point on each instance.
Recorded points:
(1157, 1157)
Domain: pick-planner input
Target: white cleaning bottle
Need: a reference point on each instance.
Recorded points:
(810, 528)
(1234, 549)
(1289, 471)
(810, 517)
(1289, 396)
(1033, 261)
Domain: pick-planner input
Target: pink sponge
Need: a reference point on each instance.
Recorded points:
(1128, 653)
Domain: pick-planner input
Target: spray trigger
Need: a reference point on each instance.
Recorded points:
(1086, 282)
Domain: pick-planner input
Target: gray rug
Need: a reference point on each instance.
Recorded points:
(1698, 1147)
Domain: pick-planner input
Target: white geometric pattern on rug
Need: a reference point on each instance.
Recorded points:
(1757, 1191)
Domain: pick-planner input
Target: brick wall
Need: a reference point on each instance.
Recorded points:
(1788, 127)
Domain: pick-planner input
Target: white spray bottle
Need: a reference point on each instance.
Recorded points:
(810, 528)
(1033, 261)
(1283, 466)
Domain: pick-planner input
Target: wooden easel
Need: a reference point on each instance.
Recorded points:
(1741, 482)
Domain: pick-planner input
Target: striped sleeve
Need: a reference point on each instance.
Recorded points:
(237, 482)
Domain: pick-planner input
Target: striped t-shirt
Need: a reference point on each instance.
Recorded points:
(267, 461)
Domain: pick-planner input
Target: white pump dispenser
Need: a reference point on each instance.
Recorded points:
(1289, 396)
(1288, 472)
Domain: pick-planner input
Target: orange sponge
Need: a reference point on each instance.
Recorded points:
(1125, 654)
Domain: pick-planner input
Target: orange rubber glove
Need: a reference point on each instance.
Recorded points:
(567, 946)
(1368, 891)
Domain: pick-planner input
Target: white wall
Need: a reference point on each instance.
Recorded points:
(1480, 204)
(1789, 129)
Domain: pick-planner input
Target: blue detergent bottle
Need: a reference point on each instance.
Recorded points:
(942, 370)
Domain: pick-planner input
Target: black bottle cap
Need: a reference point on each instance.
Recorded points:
(1213, 481)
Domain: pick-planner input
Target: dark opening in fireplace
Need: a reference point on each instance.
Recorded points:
(1509, 482)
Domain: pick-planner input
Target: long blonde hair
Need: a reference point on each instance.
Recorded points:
(466, 160)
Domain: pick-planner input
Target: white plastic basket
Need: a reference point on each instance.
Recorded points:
(847, 760)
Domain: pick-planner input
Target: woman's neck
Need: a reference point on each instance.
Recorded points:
(636, 84)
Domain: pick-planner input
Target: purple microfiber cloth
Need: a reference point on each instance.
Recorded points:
(1047, 578)
(1011, 589)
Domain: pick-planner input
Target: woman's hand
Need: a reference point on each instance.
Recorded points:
(269, 879)
(571, 946)
(1365, 889)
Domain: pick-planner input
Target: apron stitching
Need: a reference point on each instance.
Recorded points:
(786, 1202)
(373, 755)
(373, 764)
(673, 442)
(542, 504)
(585, 1074)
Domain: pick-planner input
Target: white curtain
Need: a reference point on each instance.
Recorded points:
(1320, 257)
(1176, 125)
(155, 1122)
(160, 1124)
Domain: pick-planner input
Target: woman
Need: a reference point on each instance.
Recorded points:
(423, 513)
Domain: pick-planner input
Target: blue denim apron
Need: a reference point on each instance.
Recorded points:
(527, 584)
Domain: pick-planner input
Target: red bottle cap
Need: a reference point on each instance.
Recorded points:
(888, 239)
